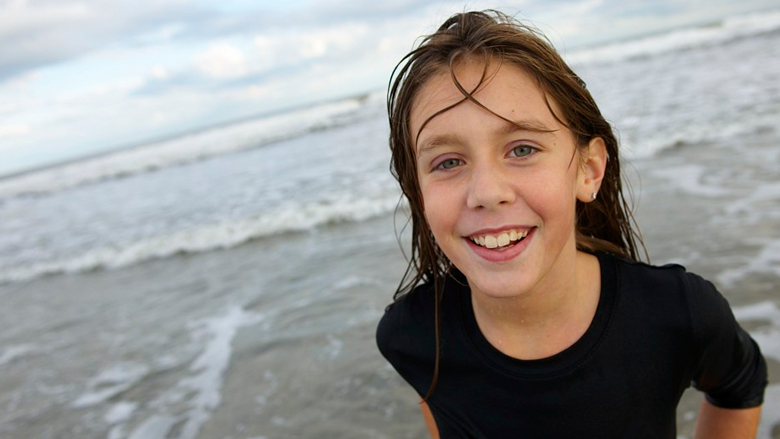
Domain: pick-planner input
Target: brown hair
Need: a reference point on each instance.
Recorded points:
(605, 224)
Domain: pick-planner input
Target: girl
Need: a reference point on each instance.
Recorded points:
(524, 311)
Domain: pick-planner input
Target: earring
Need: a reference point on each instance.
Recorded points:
(593, 195)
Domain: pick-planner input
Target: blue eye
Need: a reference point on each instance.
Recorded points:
(522, 150)
(448, 164)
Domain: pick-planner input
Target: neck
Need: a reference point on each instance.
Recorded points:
(548, 319)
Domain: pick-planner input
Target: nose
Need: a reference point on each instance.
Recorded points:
(489, 187)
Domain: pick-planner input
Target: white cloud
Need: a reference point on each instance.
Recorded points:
(14, 130)
(165, 33)
(292, 46)
(20, 16)
(222, 61)
(159, 118)
(159, 73)
(584, 7)
(40, 33)
(259, 91)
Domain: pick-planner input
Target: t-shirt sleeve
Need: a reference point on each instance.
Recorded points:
(390, 334)
(405, 337)
(729, 367)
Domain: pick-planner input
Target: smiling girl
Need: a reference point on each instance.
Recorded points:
(524, 311)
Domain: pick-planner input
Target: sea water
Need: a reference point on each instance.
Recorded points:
(227, 283)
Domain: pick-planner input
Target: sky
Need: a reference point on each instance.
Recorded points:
(81, 77)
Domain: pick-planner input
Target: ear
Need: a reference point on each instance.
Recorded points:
(592, 169)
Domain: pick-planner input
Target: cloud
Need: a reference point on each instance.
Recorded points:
(14, 130)
(222, 61)
(298, 46)
(36, 34)
(271, 54)
(159, 73)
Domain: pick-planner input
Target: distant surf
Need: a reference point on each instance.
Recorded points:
(192, 147)
(711, 34)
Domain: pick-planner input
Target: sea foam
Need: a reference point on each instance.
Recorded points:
(728, 29)
(204, 383)
(291, 217)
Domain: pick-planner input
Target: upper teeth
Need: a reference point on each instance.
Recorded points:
(500, 240)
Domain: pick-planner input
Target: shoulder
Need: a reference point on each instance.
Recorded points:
(406, 336)
(675, 294)
(410, 311)
(691, 314)
(670, 291)
(642, 286)
(671, 279)
(642, 274)
(407, 324)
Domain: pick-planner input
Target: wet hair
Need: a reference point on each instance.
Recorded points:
(604, 224)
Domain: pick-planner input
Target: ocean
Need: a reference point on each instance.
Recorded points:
(227, 283)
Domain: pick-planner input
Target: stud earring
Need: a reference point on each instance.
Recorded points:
(593, 195)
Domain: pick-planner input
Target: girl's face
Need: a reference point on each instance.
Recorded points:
(500, 198)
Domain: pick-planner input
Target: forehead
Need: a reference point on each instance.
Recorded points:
(506, 90)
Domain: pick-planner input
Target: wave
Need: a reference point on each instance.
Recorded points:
(193, 147)
(286, 219)
(636, 145)
(729, 29)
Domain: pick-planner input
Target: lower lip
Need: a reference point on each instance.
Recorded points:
(501, 255)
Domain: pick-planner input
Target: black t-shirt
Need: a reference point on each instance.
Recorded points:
(656, 331)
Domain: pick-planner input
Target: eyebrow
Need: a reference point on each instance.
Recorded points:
(507, 128)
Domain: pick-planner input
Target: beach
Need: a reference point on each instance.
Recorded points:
(234, 291)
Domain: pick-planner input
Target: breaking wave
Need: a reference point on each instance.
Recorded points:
(285, 219)
(722, 32)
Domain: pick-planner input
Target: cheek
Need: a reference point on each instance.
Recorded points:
(440, 210)
(552, 194)
(432, 205)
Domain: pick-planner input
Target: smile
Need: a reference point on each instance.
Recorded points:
(503, 239)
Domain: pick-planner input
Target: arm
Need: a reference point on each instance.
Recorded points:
(730, 368)
(719, 423)
(429, 421)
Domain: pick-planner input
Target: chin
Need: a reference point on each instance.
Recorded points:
(497, 288)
